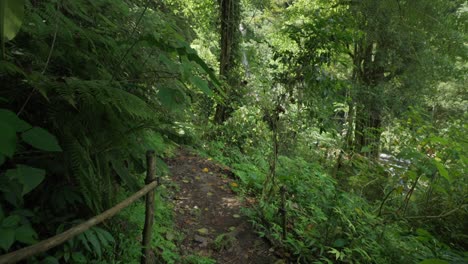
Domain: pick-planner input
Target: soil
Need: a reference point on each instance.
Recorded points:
(208, 214)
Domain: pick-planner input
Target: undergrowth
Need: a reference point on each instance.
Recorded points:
(326, 224)
(129, 225)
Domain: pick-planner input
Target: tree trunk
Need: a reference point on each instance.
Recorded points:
(370, 73)
(230, 19)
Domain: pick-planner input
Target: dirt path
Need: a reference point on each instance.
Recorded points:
(208, 213)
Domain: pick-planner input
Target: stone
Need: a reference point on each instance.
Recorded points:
(202, 240)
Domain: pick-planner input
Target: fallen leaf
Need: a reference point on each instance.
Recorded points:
(203, 231)
(234, 184)
(205, 170)
(209, 194)
(236, 216)
(197, 178)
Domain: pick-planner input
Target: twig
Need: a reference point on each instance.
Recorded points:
(384, 200)
(438, 216)
(51, 47)
(408, 195)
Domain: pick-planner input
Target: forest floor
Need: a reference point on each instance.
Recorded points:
(208, 213)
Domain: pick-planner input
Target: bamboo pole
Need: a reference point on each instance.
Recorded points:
(54, 241)
(149, 212)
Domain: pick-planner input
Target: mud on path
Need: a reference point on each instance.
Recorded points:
(208, 214)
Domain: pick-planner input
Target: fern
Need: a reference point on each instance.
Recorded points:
(108, 84)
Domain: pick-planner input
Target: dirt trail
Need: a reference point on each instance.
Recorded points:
(208, 213)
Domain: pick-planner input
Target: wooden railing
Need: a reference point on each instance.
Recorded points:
(56, 240)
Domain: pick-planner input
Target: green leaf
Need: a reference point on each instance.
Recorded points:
(78, 257)
(440, 140)
(433, 261)
(2, 159)
(124, 174)
(169, 63)
(161, 166)
(171, 98)
(412, 175)
(92, 238)
(41, 139)
(11, 221)
(66, 254)
(24, 213)
(7, 116)
(337, 253)
(10, 69)
(104, 237)
(7, 139)
(14, 197)
(11, 18)
(156, 142)
(365, 149)
(185, 68)
(50, 260)
(339, 243)
(423, 235)
(84, 241)
(443, 171)
(7, 238)
(29, 177)
(201, 84)
(26, 234)
(193, 56)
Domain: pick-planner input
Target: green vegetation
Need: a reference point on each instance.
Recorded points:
(357, 108)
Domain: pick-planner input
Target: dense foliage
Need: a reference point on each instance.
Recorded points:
(99, 77)
(356, 109)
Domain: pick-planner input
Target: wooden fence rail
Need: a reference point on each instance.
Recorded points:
(56, 240)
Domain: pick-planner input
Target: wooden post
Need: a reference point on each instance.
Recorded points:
(149, 216)
(283, 210)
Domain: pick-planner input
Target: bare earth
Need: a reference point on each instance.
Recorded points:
(208, 213)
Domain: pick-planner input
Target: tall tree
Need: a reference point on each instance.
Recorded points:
(229, 11)
(395, 56)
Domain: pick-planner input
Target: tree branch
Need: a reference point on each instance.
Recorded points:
(437, 216)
